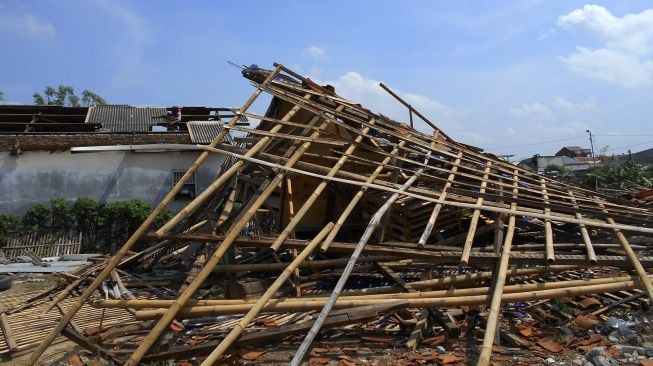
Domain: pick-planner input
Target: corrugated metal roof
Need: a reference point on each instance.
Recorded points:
(203, 132)
(124, 118)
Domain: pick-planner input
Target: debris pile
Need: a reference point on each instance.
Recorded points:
(337, 234)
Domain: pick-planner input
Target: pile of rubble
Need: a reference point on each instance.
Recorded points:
(342, 236)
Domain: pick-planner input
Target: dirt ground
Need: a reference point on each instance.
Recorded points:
(56, 354)
(29, 282)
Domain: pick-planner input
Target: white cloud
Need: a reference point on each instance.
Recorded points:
(587, 104)
(535, 110)
(316, 53)
(624, 57)
(27, 24)
(544, 35)
(360, 89)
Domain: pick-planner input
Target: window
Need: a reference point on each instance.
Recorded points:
(189, 190)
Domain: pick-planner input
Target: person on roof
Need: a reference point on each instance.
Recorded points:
(172, 118)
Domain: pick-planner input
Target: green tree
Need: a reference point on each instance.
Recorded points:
(558, 171)
(628, 175)
(38, 99)
(2, 95)
(65, 95)
(90, 99)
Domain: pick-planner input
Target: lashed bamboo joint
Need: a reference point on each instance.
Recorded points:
(320, 171)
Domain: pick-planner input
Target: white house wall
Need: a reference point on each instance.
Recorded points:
(39, 176)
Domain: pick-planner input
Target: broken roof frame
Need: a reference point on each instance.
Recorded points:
(433, 169)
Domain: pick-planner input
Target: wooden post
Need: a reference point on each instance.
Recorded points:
(115, 260)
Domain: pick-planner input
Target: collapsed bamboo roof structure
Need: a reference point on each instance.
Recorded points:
(339, 182)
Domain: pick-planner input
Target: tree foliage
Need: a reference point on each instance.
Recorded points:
(65, 95)
(558, 171)
(629, 175)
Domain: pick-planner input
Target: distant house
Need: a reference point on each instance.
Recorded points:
(574, 152)
(124, 157)
(538, 163)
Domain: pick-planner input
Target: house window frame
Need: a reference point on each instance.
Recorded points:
(189, 190)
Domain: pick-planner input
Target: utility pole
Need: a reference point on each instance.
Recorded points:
(592, 146)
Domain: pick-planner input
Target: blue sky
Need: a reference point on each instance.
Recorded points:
(504, 76)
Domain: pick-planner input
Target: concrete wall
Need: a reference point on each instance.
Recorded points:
(39, 176)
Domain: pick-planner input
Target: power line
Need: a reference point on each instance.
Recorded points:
(623, 147)
(536, 143)
(624, 135)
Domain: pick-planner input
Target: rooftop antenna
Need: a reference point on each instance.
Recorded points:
(242, 67)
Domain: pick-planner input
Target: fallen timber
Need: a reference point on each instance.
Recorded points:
(366, 218)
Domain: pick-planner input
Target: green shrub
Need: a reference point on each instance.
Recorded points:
(8, 223)
(104, 226)
(61, 210)
(37, 218)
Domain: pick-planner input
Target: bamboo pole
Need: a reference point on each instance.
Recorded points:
(438, 206)
(548, 231)
(467, 249)
(239, 304)
(413, 110)
(591, 255)
(551, 216)
(314, 264)
(371, 227)
(258, 306)
(498, 283)
(230, 237)
(318, 190)
(637, 265)
(435, 302)
(223, 178)
(357, 197)
(455, 292)
(115, 260)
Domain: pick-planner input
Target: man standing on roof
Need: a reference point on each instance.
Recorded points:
(172, 117)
